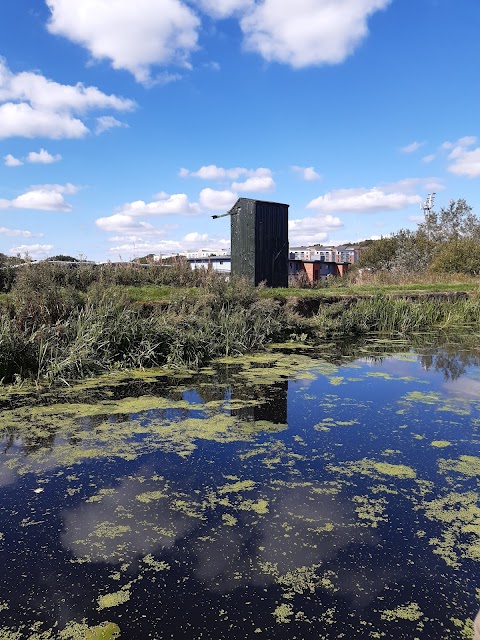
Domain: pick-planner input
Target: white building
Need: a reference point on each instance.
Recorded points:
(216, 263)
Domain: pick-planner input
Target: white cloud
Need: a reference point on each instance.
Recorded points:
(36, 106)
(18, 233)
(147, 246)
(325, 223)
(47, 95)
(33, 250)
(43, 157)
(429, 158)
(466, 161)
(42, 198)
(363, 201)
(11, 161)
(308, 173)
(259, 179)
(123, 223)
(212, 172)
(24, 121)
(164, 205)
(308, 32)
(256, 183)
(104, 123)
(312, 230)
(195, 237)
(412, 185)
(223, 8)
(126, 219)
(140, 246)
(217, 200)
(67, 188)
(467, 164)
(466, 141)
(300, 240)
(411, 148)
(133, 35)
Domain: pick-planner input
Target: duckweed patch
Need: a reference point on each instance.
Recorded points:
(114, 599)
(459, 516)
(155, 565)
(465, 465)
(410, 611)
(150, 496)
(203, 495)
(370, 511)
(374, 469)
(283, 613)
(241, 485)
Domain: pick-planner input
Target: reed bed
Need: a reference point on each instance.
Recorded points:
(54, 328)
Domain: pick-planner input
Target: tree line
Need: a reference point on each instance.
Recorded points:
(447, 241)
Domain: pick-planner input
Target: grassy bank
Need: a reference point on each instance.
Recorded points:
(56, 326)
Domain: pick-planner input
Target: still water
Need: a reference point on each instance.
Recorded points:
(294, 494)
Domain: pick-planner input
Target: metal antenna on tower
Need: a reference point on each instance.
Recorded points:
(427, 208)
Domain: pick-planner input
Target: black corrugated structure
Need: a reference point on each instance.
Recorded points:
(260, 241)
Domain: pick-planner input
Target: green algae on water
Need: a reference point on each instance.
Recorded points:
(241, 485)
(150, 496)
(114, 599)
(283, 613)
(155, 565)
(371, 511)
(373, 468)
(465, 465)
(410, 611)
(459, 515)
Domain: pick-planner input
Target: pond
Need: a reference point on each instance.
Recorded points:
(300, 494)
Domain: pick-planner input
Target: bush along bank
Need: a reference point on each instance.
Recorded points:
(52, 333)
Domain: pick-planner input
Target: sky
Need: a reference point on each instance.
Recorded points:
(125, 125)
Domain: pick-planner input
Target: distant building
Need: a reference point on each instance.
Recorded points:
(193, 255)
(338, 254)
(316, 270)
(216, 263)
(316, 262)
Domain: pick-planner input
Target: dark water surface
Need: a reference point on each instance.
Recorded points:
(302, 495)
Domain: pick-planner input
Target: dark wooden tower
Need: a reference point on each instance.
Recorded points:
(260, 241)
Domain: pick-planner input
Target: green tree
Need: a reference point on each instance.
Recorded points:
(62, 258)
(461, 255)
(454, 221)
(414, 252)
(380, 255)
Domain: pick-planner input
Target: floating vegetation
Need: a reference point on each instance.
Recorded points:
(374, 469)
(465, 465)
(249, 495)
(370, 511)
(72, 631)
(150, 496)
(114, 599)
(459, 406)
(283, 613)
(459, 515)
(241, 485)
(155, 565)
(410, 611)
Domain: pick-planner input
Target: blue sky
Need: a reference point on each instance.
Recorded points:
(125, 125)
